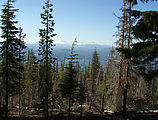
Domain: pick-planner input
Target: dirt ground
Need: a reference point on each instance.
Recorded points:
(90, 116)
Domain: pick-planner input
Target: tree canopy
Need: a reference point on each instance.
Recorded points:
(144, 52)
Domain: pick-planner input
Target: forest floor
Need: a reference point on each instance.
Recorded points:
(91, 116)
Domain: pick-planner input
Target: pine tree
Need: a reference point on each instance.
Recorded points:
(61, 73)
(31, 78)
(57, 95)
(143, 54)
(110, 79)
(21, 57)
(81, 90)
(126, 43)
(95, 66)
(101, 88)
(46, 51)
(68, 85)
(9, 52)
(86, 76)
(81, 95)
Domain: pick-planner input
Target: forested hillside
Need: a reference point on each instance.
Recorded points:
(90, 82)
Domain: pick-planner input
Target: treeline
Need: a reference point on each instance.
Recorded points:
(127, 80)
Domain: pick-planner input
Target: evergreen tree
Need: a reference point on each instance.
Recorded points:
(81, 95)
(68, 85)
(9, 52)
(110, 84)
(101, 88)
(143, 54)
(95, 66)
(126, 43)
(31, 78)
(61, 73)
(125, 39)
(46, 51)
(86, 76)
(21, 57)
(57, 95)
(81, 90)
(146, 55)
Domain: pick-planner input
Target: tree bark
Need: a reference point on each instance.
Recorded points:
(125, 100)
(69, 111)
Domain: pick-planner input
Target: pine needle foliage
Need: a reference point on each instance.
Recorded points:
(68, 86)
(144, 53)
(46, 52)
(9, 50)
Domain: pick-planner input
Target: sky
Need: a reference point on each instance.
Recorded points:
(91, 21)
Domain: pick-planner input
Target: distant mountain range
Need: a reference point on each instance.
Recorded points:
(84, 51)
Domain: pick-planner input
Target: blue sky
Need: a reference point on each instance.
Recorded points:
(91, 21)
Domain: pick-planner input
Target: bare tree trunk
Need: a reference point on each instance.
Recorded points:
(127, 63)
(121, 66)
(125, 100)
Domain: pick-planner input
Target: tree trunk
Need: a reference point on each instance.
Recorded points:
(6, 88)
(46, 105)
(127, 63)
(81, 112)
(47, 70)
(69, 111)
(6, 99)
(125, 100)
(19, 105)
(121, 64)
(102, 103)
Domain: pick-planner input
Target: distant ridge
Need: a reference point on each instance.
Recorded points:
(85, 51)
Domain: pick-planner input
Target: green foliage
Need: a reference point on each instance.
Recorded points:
(69, 84)
(45, 82)
(148, 24)
(135, 2)
(21, 59)
(109, 85)
(11, 53)
(95, 66)
(31, 74)
(46, 34)
(46, 52)
(35, 104)
(144, 53)
(9, 49)
(61, 73)
(31, 68)
(81, 94)
(45, 47)
(103, 90)
(156, 95)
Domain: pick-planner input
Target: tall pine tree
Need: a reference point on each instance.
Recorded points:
(21, 57)
(95, 66)
(144, 54)
(9, 70)
(68, 86)
(46, 51)
(126, 44)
